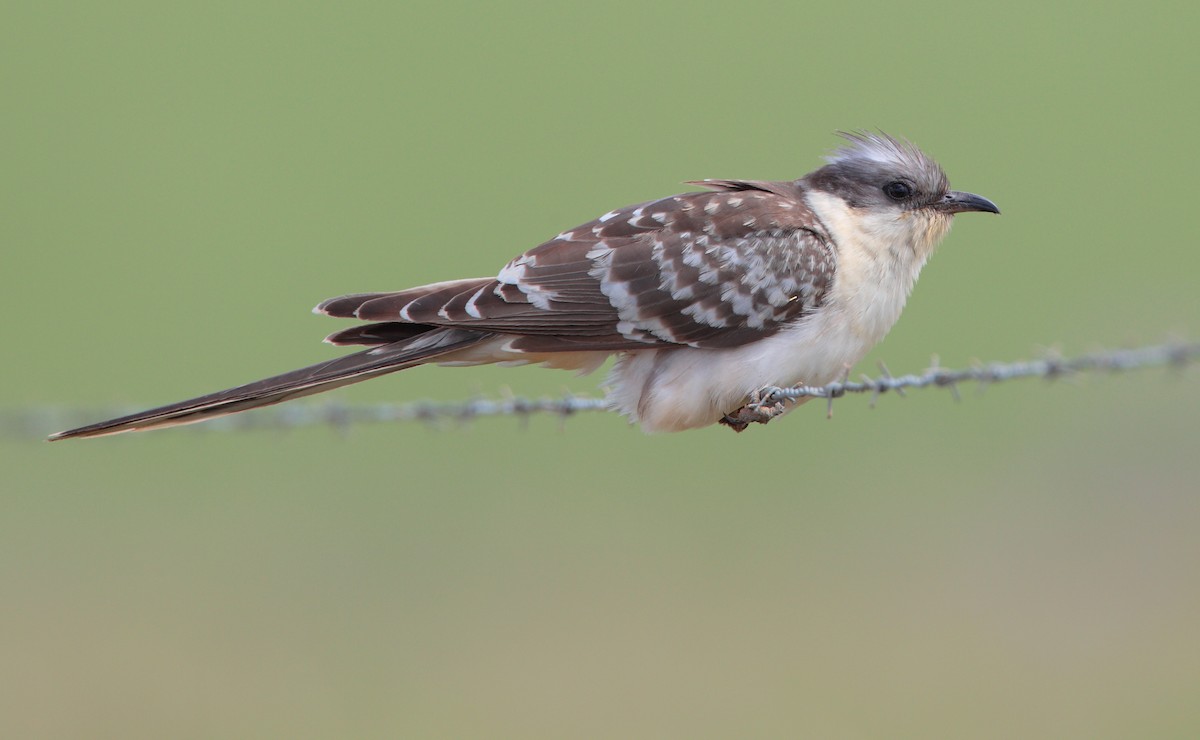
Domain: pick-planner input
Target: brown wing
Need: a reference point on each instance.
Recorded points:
(706, 269)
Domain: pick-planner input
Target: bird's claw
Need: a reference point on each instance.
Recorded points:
(761, 408)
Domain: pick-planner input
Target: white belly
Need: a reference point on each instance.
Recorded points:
(675, 389)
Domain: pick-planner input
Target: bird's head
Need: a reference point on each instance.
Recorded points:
(894, 186)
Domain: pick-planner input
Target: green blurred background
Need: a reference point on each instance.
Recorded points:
(181, 182)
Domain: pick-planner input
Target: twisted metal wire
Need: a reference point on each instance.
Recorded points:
(37, 422)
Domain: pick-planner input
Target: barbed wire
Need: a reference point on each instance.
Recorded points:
(1051, 366)
(40, 421)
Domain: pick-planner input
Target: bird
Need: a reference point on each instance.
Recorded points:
(705, 298)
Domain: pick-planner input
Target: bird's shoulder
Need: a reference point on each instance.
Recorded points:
(725, 209)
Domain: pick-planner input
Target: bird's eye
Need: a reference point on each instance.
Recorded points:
(898, 190)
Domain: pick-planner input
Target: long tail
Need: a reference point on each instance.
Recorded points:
(306, 381)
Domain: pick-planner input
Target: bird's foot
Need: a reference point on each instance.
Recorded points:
(762, 407)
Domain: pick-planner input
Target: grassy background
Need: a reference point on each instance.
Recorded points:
(182, 181)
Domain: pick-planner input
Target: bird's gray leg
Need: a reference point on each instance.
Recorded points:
(760, 409)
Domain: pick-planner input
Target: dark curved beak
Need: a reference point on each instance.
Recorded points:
(957, 201)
